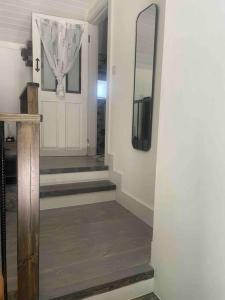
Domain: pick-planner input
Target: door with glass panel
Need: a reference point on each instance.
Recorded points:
(64, 126)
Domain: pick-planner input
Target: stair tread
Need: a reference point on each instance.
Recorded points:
(111, 282)
(76, 188)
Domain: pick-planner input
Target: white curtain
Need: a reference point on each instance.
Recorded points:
(61, 42)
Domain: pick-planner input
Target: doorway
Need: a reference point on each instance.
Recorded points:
(64, 126)
(102, 84)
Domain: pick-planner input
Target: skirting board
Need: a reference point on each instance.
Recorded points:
(129, 292)
(136, 207)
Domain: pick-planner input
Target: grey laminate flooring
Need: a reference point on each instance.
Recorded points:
(57, 162)
(84, 246)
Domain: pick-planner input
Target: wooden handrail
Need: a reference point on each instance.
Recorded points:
(8, 117)
(28, 153)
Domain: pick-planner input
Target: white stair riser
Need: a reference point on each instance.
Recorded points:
(76, 200)
(132, 291)
(48, 179)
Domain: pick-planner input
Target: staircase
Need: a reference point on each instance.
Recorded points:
(65, 187)
(113, 242)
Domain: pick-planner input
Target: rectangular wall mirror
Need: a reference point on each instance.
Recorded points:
(146, 28)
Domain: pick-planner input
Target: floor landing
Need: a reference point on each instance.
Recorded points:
(75, 163)
(84, 247)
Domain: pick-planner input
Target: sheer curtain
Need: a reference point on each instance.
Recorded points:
(61, 42)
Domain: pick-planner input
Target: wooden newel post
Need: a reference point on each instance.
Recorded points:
(28, 139)
(28, 151)
(29, 99)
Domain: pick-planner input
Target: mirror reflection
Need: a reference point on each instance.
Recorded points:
(144, 78)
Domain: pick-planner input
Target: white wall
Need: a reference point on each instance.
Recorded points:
(13, 77)
(137, 167)
(189, 227)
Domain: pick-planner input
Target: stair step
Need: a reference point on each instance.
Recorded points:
(76, 188)
(63, 178)
(73, 170)
(113, 281)
(110, 283)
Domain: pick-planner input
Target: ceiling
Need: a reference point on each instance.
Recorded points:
(15, 15)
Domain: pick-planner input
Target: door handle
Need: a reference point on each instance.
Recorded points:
(37, 69)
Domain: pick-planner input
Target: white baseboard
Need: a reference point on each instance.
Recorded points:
(135, 206)
(127, 293)
(138, 209)
(47, 179)
(76, 200)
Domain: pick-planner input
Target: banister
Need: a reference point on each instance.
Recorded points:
(28, 154)
(29, 99)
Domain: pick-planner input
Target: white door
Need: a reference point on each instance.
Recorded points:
(64, 127)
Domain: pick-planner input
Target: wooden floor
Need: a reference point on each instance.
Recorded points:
(51, 162)
(57, 162)
(84, 246)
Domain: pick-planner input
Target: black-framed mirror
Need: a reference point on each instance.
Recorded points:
(144, 74)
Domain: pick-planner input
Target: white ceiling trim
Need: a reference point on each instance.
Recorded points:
(10, 45)
(97, 11)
